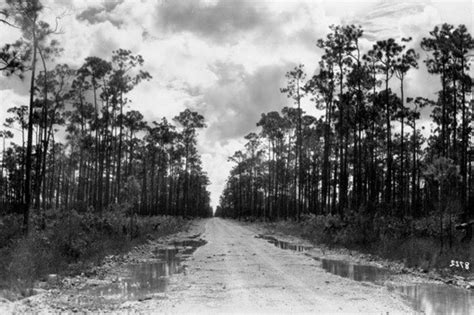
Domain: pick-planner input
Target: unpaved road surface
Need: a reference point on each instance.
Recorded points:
(235, 272)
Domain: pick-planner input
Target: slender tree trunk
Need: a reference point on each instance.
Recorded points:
(29, 147)
(402, 149)
(464, 143)
(119, 153)
(97, 155)
(455, 121)
(342, 155)
(413, 184)
(388, 179)
(326, 165)
(443, 110)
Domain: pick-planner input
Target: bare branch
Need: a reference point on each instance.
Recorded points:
(8, 23)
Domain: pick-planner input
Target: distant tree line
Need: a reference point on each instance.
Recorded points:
(81, 145)
(367, 154)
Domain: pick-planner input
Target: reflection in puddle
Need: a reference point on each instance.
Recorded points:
(438, 299)
(140, 280)
(284, 245)
(355, 272)
(425, 298)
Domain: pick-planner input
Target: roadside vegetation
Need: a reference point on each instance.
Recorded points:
(415, 245)
(70, 244)
(82, 173)
(367, 173)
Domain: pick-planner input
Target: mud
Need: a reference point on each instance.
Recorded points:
(221, 266)
(427, 298)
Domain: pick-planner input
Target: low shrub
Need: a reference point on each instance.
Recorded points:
(10, 228)
(63, 241)
(356, 230)
(332, 230)
(416, 242)
(32, 257)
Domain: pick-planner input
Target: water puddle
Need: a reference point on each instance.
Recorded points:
(140, 281)
(355, 272)
(424, 298)
(284, 245)
(438, 299)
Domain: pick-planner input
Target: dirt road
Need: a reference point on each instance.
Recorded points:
(234, 272)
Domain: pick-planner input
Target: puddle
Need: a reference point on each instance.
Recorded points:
(284, 245)
(354, 271)
(139, 281)
(424, 298)
(438, 299)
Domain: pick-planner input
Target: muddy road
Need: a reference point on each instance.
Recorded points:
(237, 272)
(232, 271)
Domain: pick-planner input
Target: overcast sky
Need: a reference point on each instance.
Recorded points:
(226, 59)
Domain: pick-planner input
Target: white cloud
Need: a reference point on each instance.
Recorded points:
(225, 58)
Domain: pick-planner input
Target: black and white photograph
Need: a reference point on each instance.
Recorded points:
(237, 157)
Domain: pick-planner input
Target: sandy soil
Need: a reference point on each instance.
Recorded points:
(235, 272)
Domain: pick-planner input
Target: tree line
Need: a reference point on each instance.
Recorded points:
(82, 147)
(367, 153)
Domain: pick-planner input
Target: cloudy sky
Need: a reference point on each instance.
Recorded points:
(223, 58)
